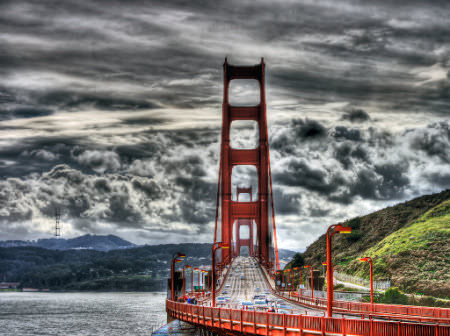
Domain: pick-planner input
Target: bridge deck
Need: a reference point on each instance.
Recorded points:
(245, 280)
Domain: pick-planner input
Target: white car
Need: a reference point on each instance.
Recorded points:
(223, 299)
(259, 302)
(247, 305)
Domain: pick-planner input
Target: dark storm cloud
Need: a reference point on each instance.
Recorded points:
(369, 171)
(319, 212)
(356, 115)
(300, 131)
(99, 105)
(347, 154)
(286, 203)
(433, 141)
(299, 174)
(24, 112)
(342, 132)
(130, 44)
(82, 100)
(441, 179)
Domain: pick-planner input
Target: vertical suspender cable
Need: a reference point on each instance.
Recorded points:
(273, 210)
(219, 179)
(218, 195)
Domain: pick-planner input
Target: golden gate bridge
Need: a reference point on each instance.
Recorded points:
(259, 275)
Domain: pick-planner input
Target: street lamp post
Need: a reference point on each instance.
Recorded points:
(369, 260)
(292, 275)
(172, 272)
(280, 274)
(312, 280)
(198, 276)
(203, 280)
(184, 279)
(192, 281)
(300, 280)
(290, 281)
(287, 277)
(332, 230)
(215, 247)
(295, 269)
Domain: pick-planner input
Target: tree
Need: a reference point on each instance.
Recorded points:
(298, 260)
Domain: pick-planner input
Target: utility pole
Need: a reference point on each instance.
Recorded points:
(57, 225)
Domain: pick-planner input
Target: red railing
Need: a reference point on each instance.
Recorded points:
(387, 311)
(206, 296)
(274, 324)
(415, 313)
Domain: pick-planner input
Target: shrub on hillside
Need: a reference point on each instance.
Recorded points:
(298, 260)
(394, 296)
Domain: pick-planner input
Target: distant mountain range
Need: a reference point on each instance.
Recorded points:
(90, 242)
(97, 243)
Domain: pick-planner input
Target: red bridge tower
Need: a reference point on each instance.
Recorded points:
(253, 210)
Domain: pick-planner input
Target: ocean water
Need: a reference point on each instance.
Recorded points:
(81, 313)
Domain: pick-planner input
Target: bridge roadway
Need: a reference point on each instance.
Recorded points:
(253, 283)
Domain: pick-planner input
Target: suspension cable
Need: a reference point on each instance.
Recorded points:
(273, 210)
(218, 193)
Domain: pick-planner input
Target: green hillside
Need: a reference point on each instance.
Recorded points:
(409, 242)
(417, 257)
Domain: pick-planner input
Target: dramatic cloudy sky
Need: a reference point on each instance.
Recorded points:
(111, 111)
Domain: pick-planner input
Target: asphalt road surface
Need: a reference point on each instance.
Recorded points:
(246, 280)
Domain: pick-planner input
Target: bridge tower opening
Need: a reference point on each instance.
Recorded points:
(243, 223)
(245, 213)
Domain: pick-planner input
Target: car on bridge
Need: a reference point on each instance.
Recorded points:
(284, 306)
(260, 304)
(246, 305)
(222, 300)
(260, 297)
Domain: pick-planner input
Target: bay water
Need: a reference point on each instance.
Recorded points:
(86, 313)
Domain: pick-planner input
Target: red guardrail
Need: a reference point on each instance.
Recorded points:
(387, 311)
(417, 313)
(205, 296)
(274, 324)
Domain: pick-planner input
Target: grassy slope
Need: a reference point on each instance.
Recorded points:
(417, 256)
(417, 264)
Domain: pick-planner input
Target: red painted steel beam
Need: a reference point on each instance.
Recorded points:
(244, 157)
(244, 210)
(244, 112)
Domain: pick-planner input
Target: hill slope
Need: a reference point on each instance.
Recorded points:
(409, 243)
(92, 242)
(143, 268)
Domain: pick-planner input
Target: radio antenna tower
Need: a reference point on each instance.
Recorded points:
(57, 225)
